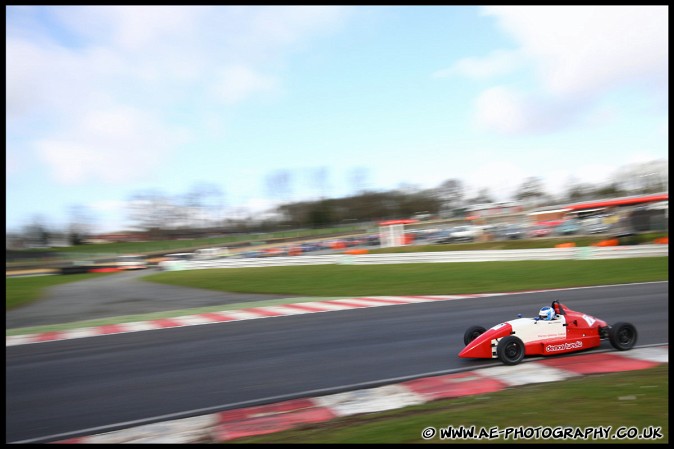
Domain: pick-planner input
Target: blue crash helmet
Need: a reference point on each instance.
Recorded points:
(546, 313)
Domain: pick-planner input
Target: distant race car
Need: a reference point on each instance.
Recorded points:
(557, 330)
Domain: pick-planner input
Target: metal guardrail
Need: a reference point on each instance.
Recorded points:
(575, 253)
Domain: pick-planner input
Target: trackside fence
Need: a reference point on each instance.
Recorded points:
(575, 253)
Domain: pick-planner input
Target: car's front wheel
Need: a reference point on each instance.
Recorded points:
(472, 333)
(622, 336)
(510, 350)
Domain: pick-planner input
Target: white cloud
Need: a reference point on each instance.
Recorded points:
(501, 177)
(109, 215)
(202, 36)
(664, 128)
(579, 53)
(499, 62)
(640, 157)
(501, 109)
(507, 110)
(283, 25)
(556, 182)
(580, 49)
(236, 84)
(42, 77)
(596, 174)
(108, 205)
(96, 85)
(110, 146)
(22, 87)
(260, 208)
(134, 28)
(261, 204)
(12, 164)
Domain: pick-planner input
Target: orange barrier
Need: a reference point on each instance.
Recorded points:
(662, 241)
(609, 242)
(566, 245)
(356, 251)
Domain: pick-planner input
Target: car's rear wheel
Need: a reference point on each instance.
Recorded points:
(472, 333)
(622, 336)
(510, 350)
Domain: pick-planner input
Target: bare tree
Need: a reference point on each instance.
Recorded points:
(531, 191)
(205, 202)
(451, 194)
(483, 196)
(81, 223)
(37, 233)
(610, 190)
(152, 211)
(645, 177)
(578, 191)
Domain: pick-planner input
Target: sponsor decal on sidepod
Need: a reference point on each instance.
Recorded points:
(564, 346)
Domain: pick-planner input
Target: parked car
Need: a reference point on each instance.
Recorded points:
(310, 246)
(465, 233)
(174, 261)
(211, 253)
(179, 256)
(372, 240)
(556, 330)
(569, 227)
(442, 236)
(510, 232)
(594, 226)
(275, 251)
(131, 262)
(540, 231)
(249, 254)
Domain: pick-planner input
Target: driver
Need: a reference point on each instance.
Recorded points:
(547, 314)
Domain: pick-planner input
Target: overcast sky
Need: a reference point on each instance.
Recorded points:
(107, 101)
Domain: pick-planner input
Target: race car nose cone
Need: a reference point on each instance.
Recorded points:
(478, 348)
(482, 346)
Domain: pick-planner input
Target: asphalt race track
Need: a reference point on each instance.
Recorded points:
(116, 295)
(67, 388)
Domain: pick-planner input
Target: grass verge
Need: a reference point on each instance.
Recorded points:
(420, 279)
(634, 400)
(24, 290)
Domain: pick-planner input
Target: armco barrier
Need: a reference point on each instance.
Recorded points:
(577, 253)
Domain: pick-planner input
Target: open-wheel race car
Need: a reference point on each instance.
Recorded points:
(557, 330)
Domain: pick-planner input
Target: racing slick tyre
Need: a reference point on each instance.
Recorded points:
(510, 350)
(472, 333)
(622, 336)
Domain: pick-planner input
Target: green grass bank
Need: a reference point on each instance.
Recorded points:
(421, 279)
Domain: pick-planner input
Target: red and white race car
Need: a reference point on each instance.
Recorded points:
(557, 330)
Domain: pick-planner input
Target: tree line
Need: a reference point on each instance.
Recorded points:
(201, 211)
